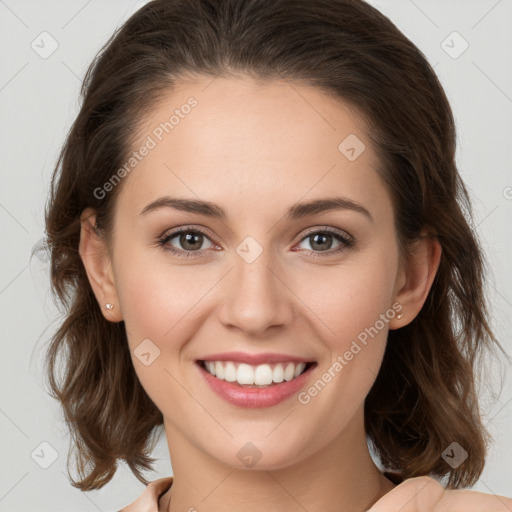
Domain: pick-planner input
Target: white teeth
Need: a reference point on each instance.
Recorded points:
(299, 368)
(278, 373)
(289, 372)
(244, 374)
(263, 375)
(219, 370)
(211, 367)
(230, 372)
(260, 375)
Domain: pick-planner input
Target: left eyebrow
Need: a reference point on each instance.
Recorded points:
(316, 206)
(296, 211)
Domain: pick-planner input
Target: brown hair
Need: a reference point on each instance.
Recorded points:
(424, 397)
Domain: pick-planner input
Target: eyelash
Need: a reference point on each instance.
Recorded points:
(347, 242)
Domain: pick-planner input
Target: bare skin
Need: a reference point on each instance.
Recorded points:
(255, 149)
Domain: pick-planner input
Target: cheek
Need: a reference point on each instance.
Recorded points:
(159, 300)
(352, 310)
(162, 304)
(348, 300)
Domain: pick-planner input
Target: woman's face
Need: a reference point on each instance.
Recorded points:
(260, 280)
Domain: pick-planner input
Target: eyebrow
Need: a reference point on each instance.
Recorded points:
(296, 211)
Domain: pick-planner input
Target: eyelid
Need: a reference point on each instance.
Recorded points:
(326, 229)
(169, 234)
(179, 229)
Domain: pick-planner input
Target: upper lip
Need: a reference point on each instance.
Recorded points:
(255, 359)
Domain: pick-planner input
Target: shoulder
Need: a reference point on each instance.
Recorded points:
(148, 500)
(472, 501)
(426, 494)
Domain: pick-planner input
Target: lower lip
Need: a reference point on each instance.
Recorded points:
(255, 397)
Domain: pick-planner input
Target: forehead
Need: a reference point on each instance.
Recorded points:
(235, 140)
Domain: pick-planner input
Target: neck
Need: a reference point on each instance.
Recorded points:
(339, 476)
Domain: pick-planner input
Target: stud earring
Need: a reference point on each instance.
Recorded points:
(109, 306)
(400, 315)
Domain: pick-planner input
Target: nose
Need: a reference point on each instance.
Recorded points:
(256, 296)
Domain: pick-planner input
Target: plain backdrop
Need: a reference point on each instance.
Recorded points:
(469, 43)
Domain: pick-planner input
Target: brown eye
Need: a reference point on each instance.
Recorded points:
(187, 241)
(323, 242)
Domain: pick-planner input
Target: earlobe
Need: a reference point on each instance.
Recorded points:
(98, 266)
(423, 263)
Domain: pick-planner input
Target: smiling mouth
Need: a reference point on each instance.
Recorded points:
(255, 376)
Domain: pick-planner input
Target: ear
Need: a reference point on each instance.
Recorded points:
(415, 279)
(98, 266)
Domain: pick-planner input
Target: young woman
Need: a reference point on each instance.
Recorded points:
(258, 230)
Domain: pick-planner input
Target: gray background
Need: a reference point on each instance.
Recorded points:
(38, 102)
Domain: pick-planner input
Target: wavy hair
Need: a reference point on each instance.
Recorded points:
(425, 396)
